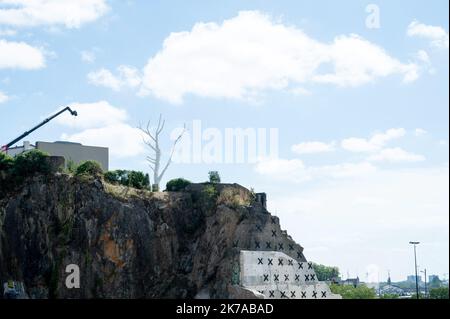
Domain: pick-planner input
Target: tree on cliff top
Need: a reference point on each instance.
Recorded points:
(214, 177)
(151, 139)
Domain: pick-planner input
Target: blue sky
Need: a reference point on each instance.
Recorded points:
(361, 111)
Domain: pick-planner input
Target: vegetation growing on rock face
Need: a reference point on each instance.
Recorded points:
(134, 179)
(231, 198)
(91, 168)
(14, 171)
(206, 199)
(6, 162)
(177, 184)
(71, 167)
(31, 162)
(210, 192)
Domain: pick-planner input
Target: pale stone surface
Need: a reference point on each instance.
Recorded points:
(277, 276)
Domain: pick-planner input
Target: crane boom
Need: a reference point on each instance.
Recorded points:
(6, 146)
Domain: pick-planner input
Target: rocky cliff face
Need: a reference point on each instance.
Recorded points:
(129, 243)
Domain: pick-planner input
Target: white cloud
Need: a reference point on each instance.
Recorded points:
(7, 33)
(357, 61)
(3, 97)
(20, 55)
(375, 143)
(251, 53)
(122, 140)
(104, 77)
(282, 169)
(295, 171)
(381, 139)
(437, 35)
(423, 56)
(312, 147)
(345, 170)
(355, 144)
(127, 77)
(88, 56)
(101, 124)
(420, 132)
(300, 91)
(396, 155)
(93, 115)
(69, 13)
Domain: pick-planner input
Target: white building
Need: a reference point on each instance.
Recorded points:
(75, 152)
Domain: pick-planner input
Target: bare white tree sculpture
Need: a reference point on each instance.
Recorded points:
(151, 139)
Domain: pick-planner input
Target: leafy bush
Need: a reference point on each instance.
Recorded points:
(14, 171)
(111, 177)
(134, 179)
(91, 168)
(325, 273)
(439, 293)
(177, 184)
(209, 192)
(214, 177)
(208, 197)
(71, 167)
(31, 162)
(6, 162)
(138, 180)
(351, 292)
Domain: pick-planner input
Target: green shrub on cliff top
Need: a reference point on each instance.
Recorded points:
(112, 177)
(177, 184)
(91, 168)
(31, 162)
(138, 180)
(6, 162)
(14, 171)
(71, 167)
(134, 179)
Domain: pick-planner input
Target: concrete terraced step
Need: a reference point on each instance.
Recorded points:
(276, 275)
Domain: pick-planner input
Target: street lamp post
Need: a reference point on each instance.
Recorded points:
(415, 266)
(426, 287)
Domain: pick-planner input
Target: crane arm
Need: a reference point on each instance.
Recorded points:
(6, 146)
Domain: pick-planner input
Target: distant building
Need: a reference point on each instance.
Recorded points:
(432, 278)
(412, 278)
(351, 282)
(75, 152)
(392, 290)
